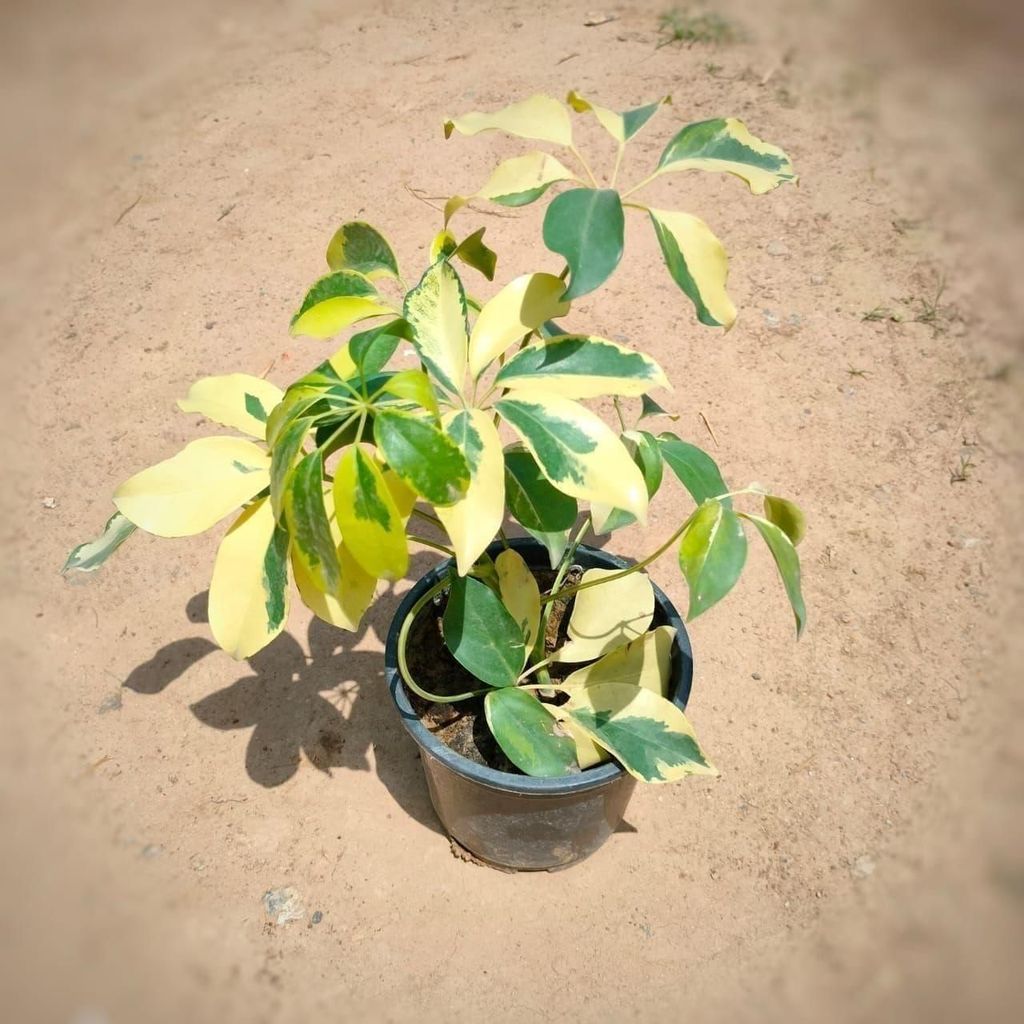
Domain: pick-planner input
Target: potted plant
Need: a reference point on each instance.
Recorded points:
(540, 676)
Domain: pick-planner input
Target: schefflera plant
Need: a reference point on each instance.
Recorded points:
(336, 468)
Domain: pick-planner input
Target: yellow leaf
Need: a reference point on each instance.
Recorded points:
(519, 308)
(190, 492)
(436, 311)
(327, 318)
(235, 400)
(519, 594)
(524, 176)
(645, 661)
(607, 616)
(473, 521)
(249, 588)
(540, 117)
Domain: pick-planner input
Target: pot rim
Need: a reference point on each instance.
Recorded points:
(680, 682)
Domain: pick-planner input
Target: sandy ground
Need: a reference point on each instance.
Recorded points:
(171, 174)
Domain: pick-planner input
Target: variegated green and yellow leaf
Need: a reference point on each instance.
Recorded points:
(786, 516)
(444, 244)
(646, 453)
(370, 521)
(646, 662)
(576, 450)
(577, 366)
(712, 552)
(649, 735)
(523, 179)
(527, 733)
(412, 385)
(539, 117)
(88, 557)
(306, 515)
(345, 606)
(191, 491)
(283, 458)
(335, 302)
(607, 616)
(234, 400)
(697, 261)
(621, 127)
(358, 246)
(519, 308)
(724, 144)
(424, 457)
(436, 311)
(519, 593)
(787, 561)
(249, 588)
(404, 497)
(475, 253)
(472, 522)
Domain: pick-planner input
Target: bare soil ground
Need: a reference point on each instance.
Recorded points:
(170, 176)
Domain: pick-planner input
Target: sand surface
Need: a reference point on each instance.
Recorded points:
(171, 175)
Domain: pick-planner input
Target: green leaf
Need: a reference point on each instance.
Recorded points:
(371, 524)
(586, 226)
(539, 117)
(527, 733)
(576, 450)
(607, 616)
(555, 541)
(695, 469)
(697, 261)
(524, 179)
(88, 557)
(474, 253)
(282, 460)
(249, 588)
(335, 302)
(436, 311)
(534, 502)
(357, 246)
(422, 456)
(712, 553)
(306, 515)
(414, 386)
(480, 633)
(371, 350)
(786, 516)
(725, 144)
(578, 366)
(788, 563)
(649, 407)
(649, 735)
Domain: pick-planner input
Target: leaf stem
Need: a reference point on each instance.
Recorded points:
(640, 184)
(618, 164)
(427, 542)
(586, 167)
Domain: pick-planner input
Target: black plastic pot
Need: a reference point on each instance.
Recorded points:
(516, 821)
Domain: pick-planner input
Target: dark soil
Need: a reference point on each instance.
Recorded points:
(463, 726)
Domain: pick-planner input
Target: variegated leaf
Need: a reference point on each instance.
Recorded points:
(473, 521)
(697, 261)
(528, 734)
(519, 308)
(724, 144)
(576, 450)
(712, 552)
(787, 561)
(369, 518)
(234, 400)
(88, 557)
(519, 593)
(436, 311)
(577, 366)
(335, 302)
(423, 457)
(621, 127)
(524, 179)
(249, 588)
(306, 515)
(191, 491)
(358, 246)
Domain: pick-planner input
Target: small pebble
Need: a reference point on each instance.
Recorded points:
(777, 248)
(817, 278)
(316, 918)
(151, 850)
(755, 675)
(110, 703)
(210, 324)
(863, 867)
(49, 502)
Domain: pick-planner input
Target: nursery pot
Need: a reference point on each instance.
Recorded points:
(515, 821)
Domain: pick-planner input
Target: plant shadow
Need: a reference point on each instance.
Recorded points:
(331, 705)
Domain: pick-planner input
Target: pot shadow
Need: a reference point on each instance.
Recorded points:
(331, 706)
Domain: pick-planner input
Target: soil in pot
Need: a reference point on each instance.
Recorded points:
(462, 726)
